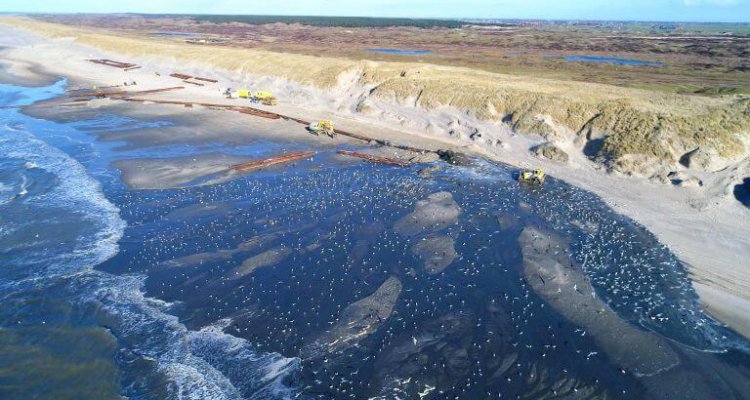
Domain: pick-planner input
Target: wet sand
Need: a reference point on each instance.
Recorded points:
(161, 173)
(565, 287)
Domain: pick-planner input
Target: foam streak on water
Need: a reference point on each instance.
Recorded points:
(57, 225)
(74, 191)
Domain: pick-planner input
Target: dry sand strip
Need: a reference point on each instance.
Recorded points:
(705, 226)
(125, 96)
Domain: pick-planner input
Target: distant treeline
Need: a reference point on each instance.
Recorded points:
(348, 22)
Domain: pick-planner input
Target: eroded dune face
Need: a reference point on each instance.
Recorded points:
(357, 321)
(637, 129)
(550, 272)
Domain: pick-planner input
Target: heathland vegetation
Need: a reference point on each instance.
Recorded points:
(630, 129)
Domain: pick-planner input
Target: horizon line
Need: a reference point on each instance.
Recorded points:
(458, 19)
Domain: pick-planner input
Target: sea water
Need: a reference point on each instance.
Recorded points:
(58, 311)
(109, 291)
(400, 52)
(614, 60)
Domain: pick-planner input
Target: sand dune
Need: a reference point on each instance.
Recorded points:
(637, 128)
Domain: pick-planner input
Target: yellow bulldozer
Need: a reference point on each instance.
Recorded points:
(535, 176)
(243, 94)
(324, 126)
(265, 97)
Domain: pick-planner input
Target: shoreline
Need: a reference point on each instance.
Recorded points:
(706, 228)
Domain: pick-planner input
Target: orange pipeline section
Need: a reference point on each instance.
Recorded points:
(249, 166)
(375, 159)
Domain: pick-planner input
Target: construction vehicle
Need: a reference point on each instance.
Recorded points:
(243, 94)
(532, 176)
(324, 126)
(265, 97)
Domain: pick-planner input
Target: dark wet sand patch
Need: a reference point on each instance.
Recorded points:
(33, 76)
(742, 192)
(163, 173)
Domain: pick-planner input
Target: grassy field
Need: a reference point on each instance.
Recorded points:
(705, 59)
(632, 121)
(347, 22)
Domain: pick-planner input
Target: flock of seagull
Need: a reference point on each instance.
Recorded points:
(476, 330)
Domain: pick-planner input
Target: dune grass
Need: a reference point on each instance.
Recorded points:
(632, 121)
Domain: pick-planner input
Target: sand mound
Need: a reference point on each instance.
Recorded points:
(436, 253)
(434, 213)
(427, 223)
(357, 321)
(550, 152)
(163, 173)
(568, 291)
(262, 260)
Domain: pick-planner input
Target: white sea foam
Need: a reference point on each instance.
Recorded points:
(6, 230)
(12, 128)
(480, 171)
(266, 379)
(24, 186)
(76, 191)
(207, 364)
(6, 193)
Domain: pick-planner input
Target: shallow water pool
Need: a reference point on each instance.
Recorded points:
(400, 52)
(614, 60)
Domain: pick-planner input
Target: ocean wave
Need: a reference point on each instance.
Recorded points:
(205, 364)
(75, 190)
(12, 127)
(24, 186)
(13, 192)
(5, 197)
(231, 355)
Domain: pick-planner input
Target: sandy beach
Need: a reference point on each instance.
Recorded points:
(704, 226)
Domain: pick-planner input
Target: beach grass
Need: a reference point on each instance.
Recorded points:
(632, 122)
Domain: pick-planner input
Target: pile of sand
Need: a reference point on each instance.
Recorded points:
(357, 321)
(566, 289)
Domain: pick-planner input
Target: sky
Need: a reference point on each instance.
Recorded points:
(641, 10)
